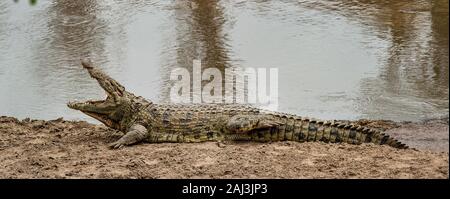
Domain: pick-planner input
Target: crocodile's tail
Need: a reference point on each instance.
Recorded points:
(349, 133)
(306, 130)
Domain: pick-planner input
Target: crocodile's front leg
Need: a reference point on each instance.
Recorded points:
(137, 133)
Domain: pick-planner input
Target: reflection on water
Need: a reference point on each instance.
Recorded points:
(198, 35)
(336, 59)
(415, 70)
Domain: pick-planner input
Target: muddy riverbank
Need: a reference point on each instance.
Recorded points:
(73, 149)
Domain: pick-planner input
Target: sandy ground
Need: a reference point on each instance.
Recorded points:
(66, 149)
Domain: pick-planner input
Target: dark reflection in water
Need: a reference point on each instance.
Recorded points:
(76, 31)
(439, 47)
(415, 73)
(199, 36)
(336, 59)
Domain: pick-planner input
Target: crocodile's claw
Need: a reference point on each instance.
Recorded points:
(136, 134)
(221, 144)
(117, 145)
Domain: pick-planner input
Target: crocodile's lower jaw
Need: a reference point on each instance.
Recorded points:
(102, 118)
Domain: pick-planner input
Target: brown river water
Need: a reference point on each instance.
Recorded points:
(344, 59)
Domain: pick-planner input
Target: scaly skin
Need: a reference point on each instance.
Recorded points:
(141, 120)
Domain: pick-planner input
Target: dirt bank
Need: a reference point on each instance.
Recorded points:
(65, 149)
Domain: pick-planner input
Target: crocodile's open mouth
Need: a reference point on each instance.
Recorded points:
(102, 110)
(86, 105)
(98, 109)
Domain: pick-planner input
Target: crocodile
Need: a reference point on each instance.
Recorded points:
(144, 121)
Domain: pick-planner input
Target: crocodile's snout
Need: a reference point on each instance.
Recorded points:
(86, 63)
(72, 105)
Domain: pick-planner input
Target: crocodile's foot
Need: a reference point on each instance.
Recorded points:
(221, 144)
(136, 134)
(119, 144)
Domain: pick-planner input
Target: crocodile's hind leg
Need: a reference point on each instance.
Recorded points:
(137, 133)
(247, 123)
